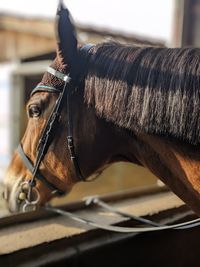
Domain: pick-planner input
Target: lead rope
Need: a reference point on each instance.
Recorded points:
(120, 229)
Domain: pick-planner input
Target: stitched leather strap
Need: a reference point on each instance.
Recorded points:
(30, 167)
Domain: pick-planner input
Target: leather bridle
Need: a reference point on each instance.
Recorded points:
(48, 135)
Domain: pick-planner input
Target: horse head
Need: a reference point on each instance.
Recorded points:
(56, 150)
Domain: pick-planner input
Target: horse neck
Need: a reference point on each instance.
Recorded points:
(176, 164)
(103, 142)
(98, 142)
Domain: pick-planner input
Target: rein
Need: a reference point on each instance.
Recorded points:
(46, 138)
(152, 226)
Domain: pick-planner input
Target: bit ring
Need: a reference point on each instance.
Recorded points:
(30, 203)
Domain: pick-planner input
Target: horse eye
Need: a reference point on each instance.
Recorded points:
(34, 111)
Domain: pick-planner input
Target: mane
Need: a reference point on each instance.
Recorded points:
(147, 89)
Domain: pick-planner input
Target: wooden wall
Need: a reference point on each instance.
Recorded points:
(191, 23)
(22, 37)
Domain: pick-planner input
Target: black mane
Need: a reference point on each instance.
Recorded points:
(147, 89)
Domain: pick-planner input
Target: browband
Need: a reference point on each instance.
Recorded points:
(44, 88)
(64, 77)
(59, 75)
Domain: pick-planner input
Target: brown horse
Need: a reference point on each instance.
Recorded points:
(126, 103)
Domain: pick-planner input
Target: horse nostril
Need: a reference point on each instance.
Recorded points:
(5, 193)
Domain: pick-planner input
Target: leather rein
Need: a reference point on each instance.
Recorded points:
(47, 136)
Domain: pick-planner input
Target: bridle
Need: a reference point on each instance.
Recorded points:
(32, 197)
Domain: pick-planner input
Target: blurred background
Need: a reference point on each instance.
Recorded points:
(27, 46)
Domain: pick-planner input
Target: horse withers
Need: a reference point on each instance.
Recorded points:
(106, 103)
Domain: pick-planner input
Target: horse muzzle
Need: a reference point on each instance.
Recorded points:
(17, 197)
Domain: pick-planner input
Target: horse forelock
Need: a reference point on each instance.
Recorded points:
(147, 89)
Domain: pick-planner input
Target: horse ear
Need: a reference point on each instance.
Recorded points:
(66, 37)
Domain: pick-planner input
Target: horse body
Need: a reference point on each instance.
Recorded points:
(131, 104)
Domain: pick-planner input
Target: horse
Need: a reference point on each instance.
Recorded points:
(105, 103)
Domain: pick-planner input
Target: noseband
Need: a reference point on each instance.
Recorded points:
(47, 136)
